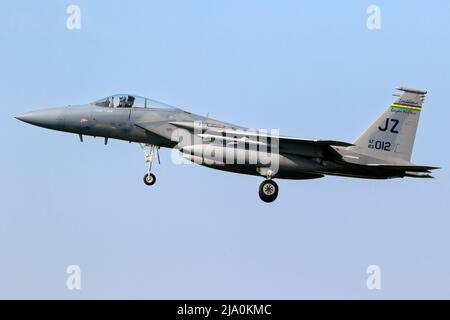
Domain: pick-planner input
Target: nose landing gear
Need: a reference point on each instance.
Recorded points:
(149, 152)
(149, 179)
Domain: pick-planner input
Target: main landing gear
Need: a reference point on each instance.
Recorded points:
(149, 152)
(268, 190)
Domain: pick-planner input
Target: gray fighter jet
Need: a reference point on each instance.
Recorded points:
(383, 151)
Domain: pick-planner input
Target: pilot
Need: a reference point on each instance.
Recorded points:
(110, 102)
(122, 102)
(130, 101)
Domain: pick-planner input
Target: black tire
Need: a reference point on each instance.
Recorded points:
(149, 180)
(268, 191)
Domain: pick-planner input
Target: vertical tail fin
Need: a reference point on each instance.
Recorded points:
(391, 137)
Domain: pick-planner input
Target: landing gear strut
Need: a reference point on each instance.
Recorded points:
(149, 152)
(268, 190)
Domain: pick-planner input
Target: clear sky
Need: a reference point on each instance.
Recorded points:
(307, 68)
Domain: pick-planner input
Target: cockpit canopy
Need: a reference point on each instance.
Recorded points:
(130, 101)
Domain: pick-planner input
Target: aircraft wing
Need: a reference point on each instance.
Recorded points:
(293, 145)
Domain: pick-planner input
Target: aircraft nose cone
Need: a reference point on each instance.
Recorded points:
(49, 118)
(26, 117)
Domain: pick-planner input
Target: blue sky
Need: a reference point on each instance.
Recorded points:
(308, 68)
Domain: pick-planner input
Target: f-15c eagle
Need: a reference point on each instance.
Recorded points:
(383, 151)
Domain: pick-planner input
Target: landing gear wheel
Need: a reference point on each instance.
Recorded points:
(268, 191)
(149, 179)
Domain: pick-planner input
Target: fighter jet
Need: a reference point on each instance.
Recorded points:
(383, 151)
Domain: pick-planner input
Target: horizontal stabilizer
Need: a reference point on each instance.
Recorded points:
(417, 174)
(411, 168)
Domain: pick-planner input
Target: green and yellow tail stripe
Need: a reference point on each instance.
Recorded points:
(406, 106)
